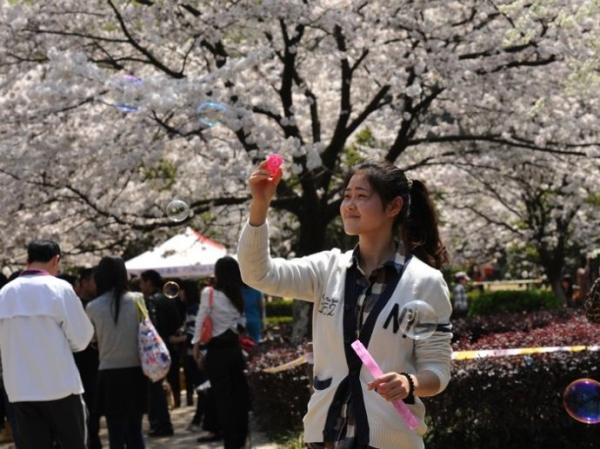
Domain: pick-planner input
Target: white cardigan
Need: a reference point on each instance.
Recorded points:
(320, 278)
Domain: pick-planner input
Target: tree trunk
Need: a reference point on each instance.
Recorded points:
(553, 262)
(558, 291)
(553, 269)
(311, 240)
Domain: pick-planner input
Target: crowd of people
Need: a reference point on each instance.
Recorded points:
(85, 360)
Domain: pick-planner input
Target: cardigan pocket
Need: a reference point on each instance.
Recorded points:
(322, 384)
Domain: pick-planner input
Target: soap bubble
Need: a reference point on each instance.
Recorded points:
(418, 320)
(126, 107)
(124, 82)
(178, 210)
(125, 86)
(133, 80)
(171, 289)
(581, 400)
(211, 112)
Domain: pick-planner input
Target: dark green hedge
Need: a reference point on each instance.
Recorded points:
(512, 403)
(279, 400)
(494, 403)
(510, 301)
(279, 307)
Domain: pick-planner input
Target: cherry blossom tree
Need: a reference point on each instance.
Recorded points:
(550, 204)
(108, 108)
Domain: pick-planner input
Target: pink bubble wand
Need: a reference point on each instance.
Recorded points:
(273, 162)
(411, 421)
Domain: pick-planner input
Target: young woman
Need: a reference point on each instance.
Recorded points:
(121, 383)
(359, 294)
(205, 417)
(224, 360)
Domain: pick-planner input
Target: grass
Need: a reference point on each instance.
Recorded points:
(290, 440)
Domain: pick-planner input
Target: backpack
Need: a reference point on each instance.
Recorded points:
(592, 303)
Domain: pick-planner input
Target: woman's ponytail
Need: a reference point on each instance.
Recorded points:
(420, 228)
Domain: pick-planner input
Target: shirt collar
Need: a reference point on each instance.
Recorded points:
(396, 262)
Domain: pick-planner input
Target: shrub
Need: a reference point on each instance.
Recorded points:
(279, 400)
(512, 403)
(471, 329)
(279, 307)
(493, 403)
(273, 321)
(575, 330)
(277, 332)
(510, 301)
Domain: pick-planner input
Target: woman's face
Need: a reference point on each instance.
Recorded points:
(362, 210)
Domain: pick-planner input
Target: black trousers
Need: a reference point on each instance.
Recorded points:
(192, 377)
(125, 431)
(173, 376)
(9, 410)
(158, 408)
(41, 423)
(225, 369)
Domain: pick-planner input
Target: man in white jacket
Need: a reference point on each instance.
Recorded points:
(42, 322)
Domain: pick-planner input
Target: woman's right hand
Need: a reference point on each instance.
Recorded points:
(263, 186)
(197, 355)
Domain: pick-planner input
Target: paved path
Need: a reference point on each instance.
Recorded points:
(182, 438)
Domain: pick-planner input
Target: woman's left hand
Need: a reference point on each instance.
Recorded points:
(391, 386)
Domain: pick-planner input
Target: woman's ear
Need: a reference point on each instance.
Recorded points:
(394, 207)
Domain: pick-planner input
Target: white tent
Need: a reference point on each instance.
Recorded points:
(187, 255)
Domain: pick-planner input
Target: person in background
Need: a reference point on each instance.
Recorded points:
(459, 294)
(85, 285)
(177, 348)
(9, 432)
(121, 394)
(254, 311)
(42, 322)
(9, 428)
(577, 298)
(583, 277)
(87, 360)
(165, 317)
(205, 416)
(567, 286)
(190, 297)
(224, 360)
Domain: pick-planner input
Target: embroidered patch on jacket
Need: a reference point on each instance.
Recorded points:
(328, 305)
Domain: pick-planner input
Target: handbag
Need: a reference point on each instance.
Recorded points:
(206, 332)
(247, 343)
(154, 355)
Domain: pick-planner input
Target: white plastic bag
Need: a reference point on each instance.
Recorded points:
(154, 355)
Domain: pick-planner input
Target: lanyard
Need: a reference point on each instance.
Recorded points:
(34, 272)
